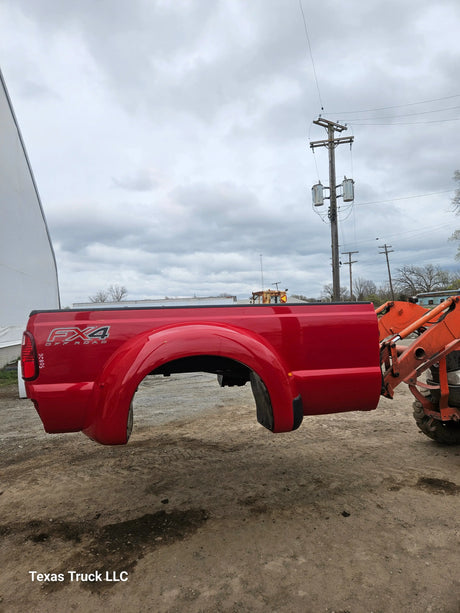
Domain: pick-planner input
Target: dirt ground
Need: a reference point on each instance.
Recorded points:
(205, 511)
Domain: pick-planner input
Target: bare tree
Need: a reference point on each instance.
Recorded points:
(384, 294)
(454, 280)
(364, 289)
(100, 296)
(456, 203)
(456, 237)
(302, 297)
(117, 292)
(456, 198)
(414, 280)
(327, 294)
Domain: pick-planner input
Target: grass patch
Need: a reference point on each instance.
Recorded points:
(9, 374)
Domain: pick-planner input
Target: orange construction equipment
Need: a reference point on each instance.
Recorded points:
(435, 351)
(395, 316)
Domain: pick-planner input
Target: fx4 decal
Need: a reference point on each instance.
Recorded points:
(78, 336)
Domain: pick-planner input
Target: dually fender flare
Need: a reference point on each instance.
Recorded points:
(139, 356)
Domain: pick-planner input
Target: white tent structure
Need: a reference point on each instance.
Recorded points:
(28, 273)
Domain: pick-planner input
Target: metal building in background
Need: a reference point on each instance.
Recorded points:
(28, 272)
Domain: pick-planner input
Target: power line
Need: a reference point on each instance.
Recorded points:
(449, 108)
(311, 54)
(446, 191)
(408, 123)
(396, 106)
(409, 233)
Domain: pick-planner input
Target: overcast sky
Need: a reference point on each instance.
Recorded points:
(170, 138)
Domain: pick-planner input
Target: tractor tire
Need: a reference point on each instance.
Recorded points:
(444, 432)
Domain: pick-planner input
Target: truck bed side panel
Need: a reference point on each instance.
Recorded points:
(326, 353)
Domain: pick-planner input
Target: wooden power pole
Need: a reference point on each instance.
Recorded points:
(331, 143)
(386, 251)
(349, 263)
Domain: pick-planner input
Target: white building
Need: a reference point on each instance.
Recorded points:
(159, 302)
(28, 273)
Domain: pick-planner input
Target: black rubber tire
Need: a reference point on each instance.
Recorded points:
(130, 422)
(446, 433)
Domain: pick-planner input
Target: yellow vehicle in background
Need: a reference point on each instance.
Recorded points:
(269, 296)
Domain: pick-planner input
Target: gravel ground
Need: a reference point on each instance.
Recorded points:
(205, 511)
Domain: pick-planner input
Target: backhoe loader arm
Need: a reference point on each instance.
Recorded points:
(394, 316)
(439, 335)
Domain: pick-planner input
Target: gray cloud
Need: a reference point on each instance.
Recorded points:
(142, 181)
(170, 141)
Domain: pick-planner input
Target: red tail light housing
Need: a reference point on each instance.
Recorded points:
(29, 359)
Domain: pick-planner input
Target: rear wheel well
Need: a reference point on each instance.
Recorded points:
(231, 372)
(228, 371)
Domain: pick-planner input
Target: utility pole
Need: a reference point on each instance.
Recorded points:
(349, 263)
(331, 143)
(261, 271)
(386, 251)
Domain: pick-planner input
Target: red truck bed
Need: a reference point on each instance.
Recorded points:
(82, 368)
